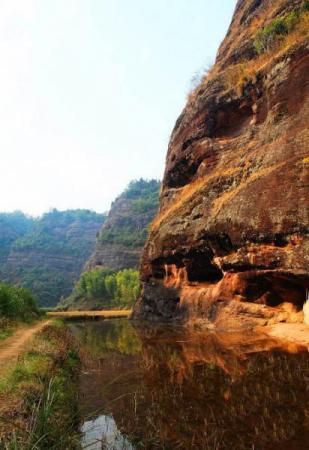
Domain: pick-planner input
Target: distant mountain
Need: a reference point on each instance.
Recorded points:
(12, 226)
(118, 247)
(47, 254)
(123, 235)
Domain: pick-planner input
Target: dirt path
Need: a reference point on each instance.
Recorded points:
(12, 347)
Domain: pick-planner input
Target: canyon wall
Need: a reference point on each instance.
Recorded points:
(229, 245)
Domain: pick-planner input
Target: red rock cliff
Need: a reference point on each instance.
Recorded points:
(231, 236)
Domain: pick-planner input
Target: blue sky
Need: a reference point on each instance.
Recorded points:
(90, 91)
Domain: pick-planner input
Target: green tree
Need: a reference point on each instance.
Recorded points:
(113, 289)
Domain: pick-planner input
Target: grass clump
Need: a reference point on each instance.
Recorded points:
(38, 396)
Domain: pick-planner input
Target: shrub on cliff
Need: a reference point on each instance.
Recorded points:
(276, 31)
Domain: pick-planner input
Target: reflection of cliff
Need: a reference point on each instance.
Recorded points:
(220, 392)
(183, 389)
(183, 347)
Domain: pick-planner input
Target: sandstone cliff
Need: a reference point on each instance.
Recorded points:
(231, 237)
(122, 237)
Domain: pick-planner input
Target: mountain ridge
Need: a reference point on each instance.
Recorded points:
(46, 254)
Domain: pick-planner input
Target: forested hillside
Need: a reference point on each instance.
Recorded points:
(122, 237)
(111, 277)
(46, 254)
(12, 226)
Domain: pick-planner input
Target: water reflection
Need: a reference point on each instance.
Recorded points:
(102, 433)
(174, 388)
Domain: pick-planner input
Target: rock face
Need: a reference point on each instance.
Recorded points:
(230, 243)
(122, 237)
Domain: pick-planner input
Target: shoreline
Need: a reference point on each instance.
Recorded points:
(288, 332)
(80, 315)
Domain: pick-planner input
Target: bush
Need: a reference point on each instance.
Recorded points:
(17, 303)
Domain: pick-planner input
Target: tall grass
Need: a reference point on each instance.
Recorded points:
(38, 428)
(38, 398)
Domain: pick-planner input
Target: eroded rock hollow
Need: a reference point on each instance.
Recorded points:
(230, 241)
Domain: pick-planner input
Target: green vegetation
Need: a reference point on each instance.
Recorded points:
(278, 29)
(6, 328)
(101, 338)
(127, 236)
(17, 303)
(141, 198)
(276, 37)
(38, 397)
(144, 195)
(12, 226)
(55, 232)
(106, 288)
(46, 254)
